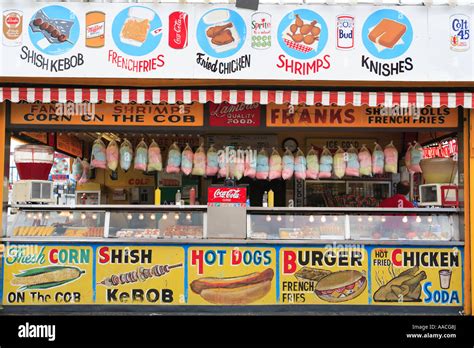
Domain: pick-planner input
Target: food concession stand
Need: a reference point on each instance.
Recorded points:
(321, 246)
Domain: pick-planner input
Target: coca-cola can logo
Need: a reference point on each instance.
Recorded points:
(227, 195)
(178, 30)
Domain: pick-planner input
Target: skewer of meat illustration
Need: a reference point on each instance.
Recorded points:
(139, 275)
(51, 29)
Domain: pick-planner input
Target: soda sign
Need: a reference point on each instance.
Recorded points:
(345, 32)
(226, 195)
(178, 30)
(460, 32)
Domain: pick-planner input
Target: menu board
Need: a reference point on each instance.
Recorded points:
(233, 275)
(208, 41)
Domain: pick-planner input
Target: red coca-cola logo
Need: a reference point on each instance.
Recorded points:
(227, 195)
(12, 20)
(178, 33)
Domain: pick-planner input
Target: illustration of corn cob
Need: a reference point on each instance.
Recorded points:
(46, 277)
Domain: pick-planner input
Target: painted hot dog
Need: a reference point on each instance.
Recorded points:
(234, 290)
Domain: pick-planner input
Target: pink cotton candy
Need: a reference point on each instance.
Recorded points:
(187, 160)
(391, 158)
(365, 160)
(324, 175)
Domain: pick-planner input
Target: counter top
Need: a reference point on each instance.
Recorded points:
(333, 242)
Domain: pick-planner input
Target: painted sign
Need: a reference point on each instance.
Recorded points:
(150, 275)
(231, 276)
(416, 276)
(47, 275)
(167, 115)
(366, 117)
(39, 136)
(204, 41)
(234, 115)
(69, 144)
(334, 143)
(333, 274)
(323, 276)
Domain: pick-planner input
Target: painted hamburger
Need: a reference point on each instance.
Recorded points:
(341, 286)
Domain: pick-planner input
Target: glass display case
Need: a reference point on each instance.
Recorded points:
(43, 222)
(111, 221)
(356, 224)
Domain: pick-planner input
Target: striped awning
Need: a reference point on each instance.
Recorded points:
(341, 98)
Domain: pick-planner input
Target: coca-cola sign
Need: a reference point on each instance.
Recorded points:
(234, 115)
(178, 30)
(226, 195)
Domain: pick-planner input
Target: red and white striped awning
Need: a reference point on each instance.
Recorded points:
(94, 95)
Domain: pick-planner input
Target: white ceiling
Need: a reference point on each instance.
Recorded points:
(329, 2)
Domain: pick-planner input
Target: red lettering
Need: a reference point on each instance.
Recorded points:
(274, 115)
(395, 260)
(287, 117)
(53, 258)
(349, 116)
(236, 257)
(289, 262)
(104, 256)
(336, 116)
(197, 258)
(320, 115)
(304, 116)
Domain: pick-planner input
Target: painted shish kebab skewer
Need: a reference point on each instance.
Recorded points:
(139, 275)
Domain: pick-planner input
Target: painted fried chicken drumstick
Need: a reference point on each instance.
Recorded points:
(214, 31)
(223, 38)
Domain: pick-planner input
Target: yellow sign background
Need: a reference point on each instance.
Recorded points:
(169, 115)
(21, 258)
(291, 293)
(429, 293)
(222, 268)
(157, 288)
(357, 116)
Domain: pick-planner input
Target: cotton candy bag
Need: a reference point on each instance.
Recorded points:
(223, 168)
(212, 161)
(77, 169)
(199, 162)
(275, 164)
(262, 165)
(250, 166)
(112, 153)
(339, 163)
(155, 161)
(85, 172)
(312, 164)
(288, 165)
(377, 159)
(237, 166)
(126, 155)
(365, 161)
(325, 164)
(408, 157)
(187, 157)
(141, 156)
(300, 165)
(416, 155)
(391, 158)
(174, 159)
(352, 166)
(98, 159)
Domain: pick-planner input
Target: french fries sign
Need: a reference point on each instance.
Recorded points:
(323, 276)
(47, 275)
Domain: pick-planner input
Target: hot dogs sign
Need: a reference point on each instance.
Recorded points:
(234, 275)
(277, 42)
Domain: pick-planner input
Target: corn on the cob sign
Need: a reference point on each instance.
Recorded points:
(140, 275)
(47, 275)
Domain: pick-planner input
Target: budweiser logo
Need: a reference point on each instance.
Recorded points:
(227, 194)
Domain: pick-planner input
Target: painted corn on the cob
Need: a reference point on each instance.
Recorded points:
(46, 277)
